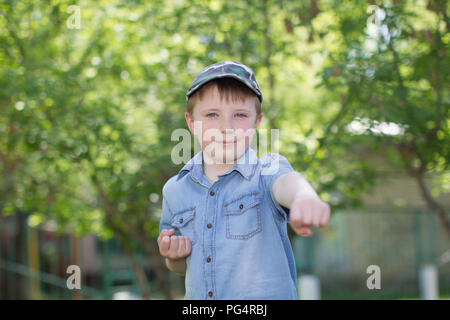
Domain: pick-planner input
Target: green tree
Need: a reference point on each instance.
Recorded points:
(390, 66)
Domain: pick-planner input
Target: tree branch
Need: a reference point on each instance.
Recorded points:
(432, 203)
(419, 175)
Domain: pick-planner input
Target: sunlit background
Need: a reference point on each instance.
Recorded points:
(90, 92)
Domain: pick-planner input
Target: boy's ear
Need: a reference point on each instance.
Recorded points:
(189, 121)
(258, 120)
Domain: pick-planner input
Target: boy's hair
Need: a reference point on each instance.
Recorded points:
(228, 88)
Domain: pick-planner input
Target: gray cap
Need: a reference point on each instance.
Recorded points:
(226, 69)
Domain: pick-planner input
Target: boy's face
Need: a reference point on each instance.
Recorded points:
(226, 128)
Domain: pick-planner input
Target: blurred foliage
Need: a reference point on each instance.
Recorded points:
(86, 114)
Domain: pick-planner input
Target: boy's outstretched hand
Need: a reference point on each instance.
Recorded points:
(173, 247)
(307, 212)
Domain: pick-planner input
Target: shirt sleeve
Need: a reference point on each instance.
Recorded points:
(166, 218)
(274, 165)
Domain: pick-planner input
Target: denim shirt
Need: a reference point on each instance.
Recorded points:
(238, 231)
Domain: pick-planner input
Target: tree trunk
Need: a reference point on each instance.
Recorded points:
(139, 272)
(419, 175)
(436, 207)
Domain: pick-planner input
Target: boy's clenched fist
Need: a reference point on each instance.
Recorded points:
(308, 212)
(173, 247)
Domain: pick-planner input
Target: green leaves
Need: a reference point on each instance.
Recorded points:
(86, 114)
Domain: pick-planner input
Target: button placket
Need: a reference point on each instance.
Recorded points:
(209, 243)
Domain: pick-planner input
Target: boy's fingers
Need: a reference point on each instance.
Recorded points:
(181, 246)
(300, 213)
(307, 216)
(174, 244)
(305, 232)
(317, 217)
(188, 246)
(164, 245)
(295, 217)
(325, 216)
(165, 232)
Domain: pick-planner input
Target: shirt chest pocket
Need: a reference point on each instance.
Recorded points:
(183, 221)
(243, 216)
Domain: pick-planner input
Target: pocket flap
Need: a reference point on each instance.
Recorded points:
(183, 217)
(241, 204)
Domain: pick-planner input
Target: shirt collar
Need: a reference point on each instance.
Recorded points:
(245, 165)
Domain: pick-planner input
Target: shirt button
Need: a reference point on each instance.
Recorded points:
(208, 259)
(209, 225)
(212, 192)
(241, 206)
(210, 294)
(181, 220)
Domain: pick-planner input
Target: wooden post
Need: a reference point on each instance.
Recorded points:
(33, 261)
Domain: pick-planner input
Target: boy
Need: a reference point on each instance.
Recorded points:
(225, 214)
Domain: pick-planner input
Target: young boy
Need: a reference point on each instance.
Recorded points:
(225, 214)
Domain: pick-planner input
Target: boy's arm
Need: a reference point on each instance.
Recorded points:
(291, 190)
(177, 265)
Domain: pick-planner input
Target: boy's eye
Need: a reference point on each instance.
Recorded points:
(240, 115)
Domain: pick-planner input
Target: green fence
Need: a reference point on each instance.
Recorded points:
(399, 242)
(34, 262)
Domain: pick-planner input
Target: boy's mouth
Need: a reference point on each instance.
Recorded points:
(227, 142)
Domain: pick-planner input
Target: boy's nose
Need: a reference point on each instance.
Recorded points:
(226, 126)
(228, 134)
